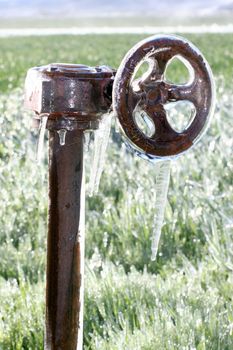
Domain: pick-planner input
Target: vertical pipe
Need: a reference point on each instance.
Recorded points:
(65, 254)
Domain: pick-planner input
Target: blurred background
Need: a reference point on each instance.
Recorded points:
(183, 300)
(130, 12)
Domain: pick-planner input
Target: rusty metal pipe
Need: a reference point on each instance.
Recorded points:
(74, 99)
(65, 252)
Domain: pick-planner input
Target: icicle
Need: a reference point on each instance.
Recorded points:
(62, 136)
(117, 126)
(100, 146)
(87, 139)
(40, 144)
(161, 190)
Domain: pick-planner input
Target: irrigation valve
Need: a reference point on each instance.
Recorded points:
(72, 99)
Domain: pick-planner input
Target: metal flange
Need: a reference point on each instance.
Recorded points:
(73, 96)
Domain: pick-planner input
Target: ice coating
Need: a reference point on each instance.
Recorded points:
(73, 90)
(153, 93)
(101, 139)
(87, 140)
(161, 191)
(146, 108)
(40, 144)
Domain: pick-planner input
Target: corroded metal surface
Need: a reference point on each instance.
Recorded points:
(78, 92)
(74, 98)
(153, 92)
(65, 251)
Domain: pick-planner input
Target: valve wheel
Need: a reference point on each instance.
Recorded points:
(153, 92)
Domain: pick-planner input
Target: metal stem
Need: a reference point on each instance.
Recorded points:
(65, 255)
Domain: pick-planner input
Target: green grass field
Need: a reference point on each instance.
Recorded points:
(183, 300)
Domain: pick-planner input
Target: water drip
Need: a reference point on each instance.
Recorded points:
(62, 136)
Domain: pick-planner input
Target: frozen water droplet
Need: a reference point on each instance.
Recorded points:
(161, 190)
(100, 147)
(40, 144)
(62, 136)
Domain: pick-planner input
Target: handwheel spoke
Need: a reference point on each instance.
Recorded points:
(189, 92)
(134, 98)
(163, 130)
(161, 61)
(161, 66)
(152, 92)
(154, 73)
(158, 63)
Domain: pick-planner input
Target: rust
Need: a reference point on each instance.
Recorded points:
(74, 97)
(154, 92)
(65, 242)
(75, 91)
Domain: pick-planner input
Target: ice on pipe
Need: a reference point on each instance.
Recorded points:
(40, 144)
(101, 139)
(161, 191)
